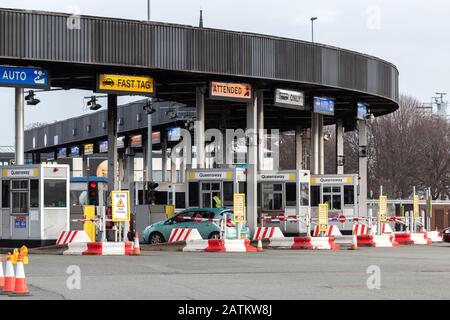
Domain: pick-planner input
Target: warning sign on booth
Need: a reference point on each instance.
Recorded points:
(121, 206)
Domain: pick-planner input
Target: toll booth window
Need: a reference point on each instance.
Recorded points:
(161, 198)
(55, 193)
(194, 194)
(349, 195)
(304, 194)
(228, 194)
(34, 194)
(19, 202)
(5, 194)
(291, 195)
(180, 200)
(315, 196)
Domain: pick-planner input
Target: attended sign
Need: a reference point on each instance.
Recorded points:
(323, 218)
(242, 92)
(239, 208)
(24, 77)
(125, 84)
(382, 209)
(121, 206)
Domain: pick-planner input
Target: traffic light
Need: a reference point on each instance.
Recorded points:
(93, 193)
(152, 193)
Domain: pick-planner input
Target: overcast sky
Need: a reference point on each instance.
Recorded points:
(412, 34)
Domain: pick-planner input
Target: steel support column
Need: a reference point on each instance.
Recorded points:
(362, 128)
(261, 133)
(314, 156)
(252, 160)
(299, 148)
(112, 143)
(340, 147)
(200, 127)
(321, 145)
(20, 125)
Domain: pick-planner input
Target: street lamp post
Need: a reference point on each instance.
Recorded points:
(312, 27)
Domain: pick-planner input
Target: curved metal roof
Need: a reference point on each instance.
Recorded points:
(182, 57)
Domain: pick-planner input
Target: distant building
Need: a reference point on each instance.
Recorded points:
(7, 154)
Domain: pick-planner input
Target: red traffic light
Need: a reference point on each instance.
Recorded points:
(93, 185)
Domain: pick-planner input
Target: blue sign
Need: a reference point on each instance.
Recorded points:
(50, 156)
(75, 151)
(362, 111)
(103, 146)
(20, 223)
(62, 153)
(324, 106)
(24, 77)
(174, 134)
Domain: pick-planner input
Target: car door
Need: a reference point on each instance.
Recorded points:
(181, 221)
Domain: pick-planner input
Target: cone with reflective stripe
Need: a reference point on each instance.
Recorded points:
(136, 247)
(354, 243)
(260, 246)
(10, 279)
(20, 288)
(2, 275)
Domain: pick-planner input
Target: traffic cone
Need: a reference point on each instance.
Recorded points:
(354, 243)
(136, 247)
(20, 288)
(10, 279)
(2, 275)
(260, 246)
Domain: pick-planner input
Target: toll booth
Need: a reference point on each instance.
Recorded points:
(340, 192)
(86, 191)
(285, 193)
(202, 186)
(35, 205)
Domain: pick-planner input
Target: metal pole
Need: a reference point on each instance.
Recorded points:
(200, 127)
(112, 143)
(363, 161)
(149, 148)
(340, 147)
(252, 160)
(312, 30)
(19, 117)
(261, 135)
(148, 9)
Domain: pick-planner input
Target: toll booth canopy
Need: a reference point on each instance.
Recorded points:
(339, 191)
(214, 187)
(35, 202)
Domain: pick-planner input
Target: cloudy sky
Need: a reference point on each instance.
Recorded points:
(412, 34)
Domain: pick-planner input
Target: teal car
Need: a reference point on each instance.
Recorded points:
(160, 232)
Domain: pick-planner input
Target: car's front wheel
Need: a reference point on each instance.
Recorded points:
(214, 236)
(156, 238)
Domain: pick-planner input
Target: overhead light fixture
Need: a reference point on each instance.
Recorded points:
(31, 100)
(93, 105)
(148, 107)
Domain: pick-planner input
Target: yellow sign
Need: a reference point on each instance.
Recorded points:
(239, 208)
(231, 91)
(431, 207)
(323, 218)
(170, 211)
(112, 83)
(121, 206)
(88, 149)
(382, 209)
(416, 207)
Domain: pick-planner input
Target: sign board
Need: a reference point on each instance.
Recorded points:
(241, 92)
(416, 207)
(174, 134)
(213, 175)
(362, 111)
(24, 77)
(51, 156)
(126, 84)
(289, 99)
(382, 209)
(332, 180)
(62, 153)
(20, 173)
(103, 146)
(239, 208)
(323, 218)
(120, 142)
(156, 137)
(74, 151)
(324, 106)
(20, 223)
(277, 177)
(136, 141)
(121, 206)
(88, 149)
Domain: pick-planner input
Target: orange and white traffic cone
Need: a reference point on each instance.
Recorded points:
(10, 279)
(354, 243)
(2, 275)
(20, 288)
(136, 247)
(260, 246)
